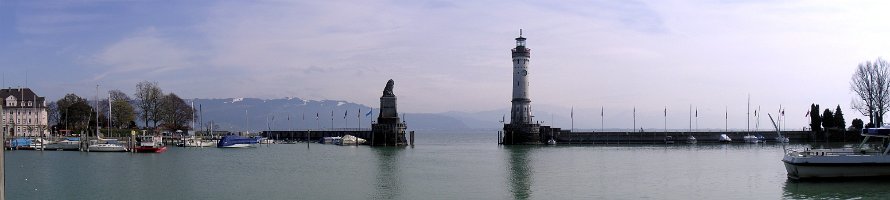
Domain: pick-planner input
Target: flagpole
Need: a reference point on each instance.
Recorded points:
(572, 115)
(634, 128)
(602, 118)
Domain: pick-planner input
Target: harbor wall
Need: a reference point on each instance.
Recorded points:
(569, 137)
(315, 135)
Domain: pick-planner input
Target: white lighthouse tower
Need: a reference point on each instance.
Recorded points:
(520, 112)
(521, 130)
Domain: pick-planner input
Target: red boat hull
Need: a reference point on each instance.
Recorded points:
(151, 149)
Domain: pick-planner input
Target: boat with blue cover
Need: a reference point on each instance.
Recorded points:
(233, 141)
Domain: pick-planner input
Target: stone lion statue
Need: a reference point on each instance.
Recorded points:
(387, 91)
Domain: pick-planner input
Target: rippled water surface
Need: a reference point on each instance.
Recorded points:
(443, 165)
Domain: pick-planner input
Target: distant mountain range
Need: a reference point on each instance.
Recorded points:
(253, 114)
(240, 114)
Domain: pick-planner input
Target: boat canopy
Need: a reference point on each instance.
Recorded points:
(876, 132)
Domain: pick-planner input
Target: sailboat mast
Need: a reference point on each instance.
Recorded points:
(97, 110)
(193, 118)
(109, 111)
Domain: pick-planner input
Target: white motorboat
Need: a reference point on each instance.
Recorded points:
(551, 142)
(330, 140)
(724, 138)
(37, 144)
(858, 162)
(196, 142)
(347, 140)
(107, 147)
(691, 140)
(781, 139)
(751, 139)
(68, 144)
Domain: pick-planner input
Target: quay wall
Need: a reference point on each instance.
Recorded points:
(315, 135)
(569, 137)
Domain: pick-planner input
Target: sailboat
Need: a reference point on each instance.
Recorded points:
(194, 141)
(103, 145)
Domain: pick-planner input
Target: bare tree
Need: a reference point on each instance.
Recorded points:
(52, 113)
(871, 82)
(148, 97)
(123, 112)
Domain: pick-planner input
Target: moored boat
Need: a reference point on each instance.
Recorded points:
(150, 144)
(668, 139)
(108, 145)
(724, 138)
(751, 139)
(691, 140)
(351, 140)
(196, 142)
(19, 143)
(551, 142)
(781, 139)
(67, 144)
(232, 141)
(857, 162)
(330, 140)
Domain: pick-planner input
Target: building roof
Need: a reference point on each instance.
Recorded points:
(21, 94)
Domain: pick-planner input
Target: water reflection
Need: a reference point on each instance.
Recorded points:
(387, 172)
(848, 189)
(520, 171)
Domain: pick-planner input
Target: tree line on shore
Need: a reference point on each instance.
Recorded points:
(871, 84)
(157, 111)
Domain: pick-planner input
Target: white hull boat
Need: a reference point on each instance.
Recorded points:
(347, 140)
(751, 139)
(780, 139)
(107, 148)
(238, 146)
(551, 142)
(858, 162)
(724, 138)
(691, 140)
(192, 142)
(64, 145)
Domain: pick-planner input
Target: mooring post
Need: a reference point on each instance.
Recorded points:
(412, 138)
(3, 164)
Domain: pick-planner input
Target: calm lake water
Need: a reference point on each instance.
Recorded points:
(440, 166)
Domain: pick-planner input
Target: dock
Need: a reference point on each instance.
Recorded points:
(569, 137)
(315, 135)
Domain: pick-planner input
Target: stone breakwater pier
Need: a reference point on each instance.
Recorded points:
(570, 137)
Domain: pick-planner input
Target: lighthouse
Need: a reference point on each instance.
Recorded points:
(520, 112)
(521, 129)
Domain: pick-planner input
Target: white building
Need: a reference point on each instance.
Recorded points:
(24, 113)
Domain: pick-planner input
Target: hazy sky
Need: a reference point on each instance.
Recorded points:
(455, 55)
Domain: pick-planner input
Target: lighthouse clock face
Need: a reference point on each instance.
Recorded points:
(523, 72)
